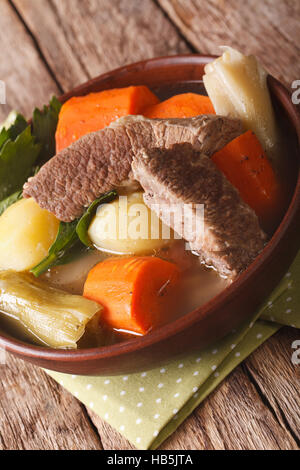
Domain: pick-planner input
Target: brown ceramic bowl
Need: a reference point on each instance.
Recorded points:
(167, 76)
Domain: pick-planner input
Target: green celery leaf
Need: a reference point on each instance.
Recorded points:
(9, 201)
(15, 129)
(16, 161)
(65, 240)
(84, 222)
(44, 124)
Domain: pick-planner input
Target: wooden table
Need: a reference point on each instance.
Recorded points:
(49, 46)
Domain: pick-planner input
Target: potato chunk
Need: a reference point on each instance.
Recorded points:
(128, 226)
(26, 234)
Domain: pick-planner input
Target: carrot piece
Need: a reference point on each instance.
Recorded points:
(81, 115)
(137, 293)
(181, 106)
(246, 166)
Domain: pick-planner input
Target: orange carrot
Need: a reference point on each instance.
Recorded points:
(246, 166)
(181, 106)
(83, 114)
(137, 293)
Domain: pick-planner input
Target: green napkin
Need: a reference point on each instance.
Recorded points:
(147, 407)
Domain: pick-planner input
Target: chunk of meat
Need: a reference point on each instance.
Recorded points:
(101, 161)
(177, 181)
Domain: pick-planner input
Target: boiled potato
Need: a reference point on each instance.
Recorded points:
(26, 234)
(124, 226)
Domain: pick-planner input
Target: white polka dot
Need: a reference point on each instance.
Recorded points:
(104, 397)
(121, 409)
(138, 421)
(163, 370)
(233, 346)
(213, 367)
(179, 380)
(91, 405)
(198, 359)
(237, 354)
(125, 378)
(195, 389)
(89, 386)
(160, 385)
(122, 427)
(259, 336)
(214, 351)
(216, 374)
(175, 411)
(138, 440)
(290, 285)
(141, 389)
(122, 393)
(139, 404)
(156, 416)
(288, 310)
(106, 416)
(158, 400)
(251, 324)
(144, 374)
(196, 372)
(155, 433)
(74, 377)
(270, 304)
(289, 299)
(180, 366)
(106, 382)
(288, 274)
(176, 395)
(195, 395)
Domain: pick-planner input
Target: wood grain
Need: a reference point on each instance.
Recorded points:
(36, 413)
(268, 29)
(97, 35)
(279, 388)
(28, 82)
(257, 406)
(237, 415)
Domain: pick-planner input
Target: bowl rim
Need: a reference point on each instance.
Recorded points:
(136, 344)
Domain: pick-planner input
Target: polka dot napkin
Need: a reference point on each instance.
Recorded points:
(147, 407)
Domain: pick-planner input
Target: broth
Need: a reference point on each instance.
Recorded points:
(200, 284)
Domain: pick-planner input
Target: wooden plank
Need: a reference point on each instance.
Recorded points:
(233, 418)
(27, 80)
(277, 379)
(97, 35)
(236, 416)
(36, 413)
(266, 28)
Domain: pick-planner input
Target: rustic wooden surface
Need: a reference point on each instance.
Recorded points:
(49, 46)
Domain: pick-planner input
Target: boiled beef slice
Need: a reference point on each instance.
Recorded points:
(101, 161)
(177, 182)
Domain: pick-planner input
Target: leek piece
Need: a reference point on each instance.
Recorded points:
(237, 87)
(57, 318)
